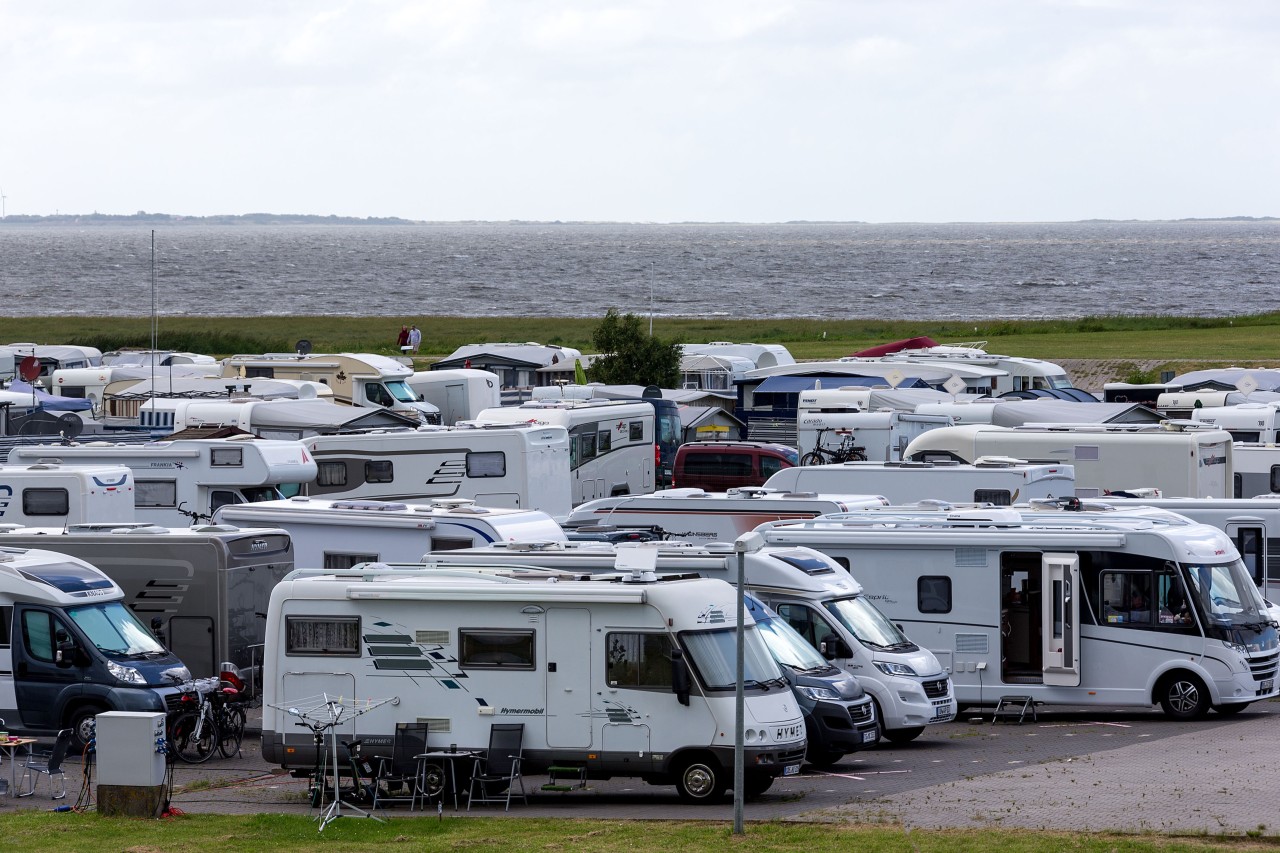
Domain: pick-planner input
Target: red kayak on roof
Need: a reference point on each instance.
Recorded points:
(897, 346)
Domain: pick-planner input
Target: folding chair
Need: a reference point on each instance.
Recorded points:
(403, 768)
(49, 764)
(499, 770)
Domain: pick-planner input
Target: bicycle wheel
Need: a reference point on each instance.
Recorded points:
(813, 457)
(231, 731)
(187, 745)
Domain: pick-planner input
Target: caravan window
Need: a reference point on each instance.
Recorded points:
(45, 502)
(322, 635)
(588, 442)
(604, 441)
(1275, 479)
(378, 471)
(155, 493)
(493, 649)
(635, 430)
(331, 474)
(639, 661)
(6, 624)
(259, 372)
(999, 497)
(346, 561)
(933, 594)
(490, 463)
(227, 457)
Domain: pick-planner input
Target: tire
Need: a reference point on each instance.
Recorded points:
(1184, 697)
(755, 785)
(231, 731)
(812, 458)
(1232, 709)
(701, 781)
(186, 746)
(434, 780)
(900, 736)
(80, 721)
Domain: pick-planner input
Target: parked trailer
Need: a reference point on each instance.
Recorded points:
(340, 534)
(52, 493)
(1072, 608)
(814, 595)
(179, 481)
(619, 679)
(994, 480)
(205, 589)
(1247, 422)
(459, 394)
(1256, 469)
(697, 516)
(1180, 458)
(71, 648)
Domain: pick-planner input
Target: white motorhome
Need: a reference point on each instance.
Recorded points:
(619, 679)
(283, 418)
(51, 493)
(94, 383)
(1179, 458)
(180, 481)
(338, 534)
(459, 394)
(612, 443)
(994, 480)
(523, 466)
(813, 594)
(694, 515)
(823, 418)
(204, 589)
(1019, 373)
(1248, 422)
(57, 356)
(1256, 468)
(1071, 608)
(70, 648)
(357, 379)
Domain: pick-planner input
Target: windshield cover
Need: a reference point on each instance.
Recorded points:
(1230, 605)
(788, 647)
(868, 624)
(114, 630)
(714, 656)
(401, 391)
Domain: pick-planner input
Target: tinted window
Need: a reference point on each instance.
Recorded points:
(378, 471)
(323, 635)
(45, 501)
(488, 649)
(638, 660)
(933, 594)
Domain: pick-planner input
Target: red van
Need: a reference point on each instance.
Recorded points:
(716, 466)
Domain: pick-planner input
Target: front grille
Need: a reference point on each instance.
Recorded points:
(862, 714)
(1264, 667)
(935, 689)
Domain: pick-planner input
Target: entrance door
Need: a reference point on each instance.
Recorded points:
(39, 682)
(569, 677)
(1249, 538)
(1060, 632)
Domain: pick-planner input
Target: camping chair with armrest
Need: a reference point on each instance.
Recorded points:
(402, 770)
(498, 771)
(49, 764)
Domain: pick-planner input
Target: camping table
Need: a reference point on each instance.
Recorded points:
(11, 747)
(446, 757)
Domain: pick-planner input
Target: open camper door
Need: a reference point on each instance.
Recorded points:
(1060, 635)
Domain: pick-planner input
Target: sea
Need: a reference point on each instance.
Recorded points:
(830, 271)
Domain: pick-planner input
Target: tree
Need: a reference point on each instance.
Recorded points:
(629, 356)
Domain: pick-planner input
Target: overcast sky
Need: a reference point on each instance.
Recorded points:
(643, 110)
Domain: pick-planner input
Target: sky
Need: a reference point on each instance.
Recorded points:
(644, 110)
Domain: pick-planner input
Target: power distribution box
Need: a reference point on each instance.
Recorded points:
(128, 753)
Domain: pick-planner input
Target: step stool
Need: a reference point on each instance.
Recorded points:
(562, 776)
(1011, 707)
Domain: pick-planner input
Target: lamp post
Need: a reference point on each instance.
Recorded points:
(745, 544)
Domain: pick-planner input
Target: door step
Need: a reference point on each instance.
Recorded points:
(566, 779)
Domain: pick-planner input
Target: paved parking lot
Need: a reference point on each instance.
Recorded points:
(1070, 769)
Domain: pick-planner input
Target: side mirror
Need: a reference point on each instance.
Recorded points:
(64, 654)
(679, 677)
(834, 647)
(157, 628)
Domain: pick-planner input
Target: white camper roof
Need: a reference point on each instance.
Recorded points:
(32, 574)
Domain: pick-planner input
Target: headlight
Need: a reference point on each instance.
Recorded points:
(817, 693)
(127, 674)
(894, 668)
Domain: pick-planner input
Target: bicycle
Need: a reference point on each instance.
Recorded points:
(845, 451)
(229, 718)
(193, 730)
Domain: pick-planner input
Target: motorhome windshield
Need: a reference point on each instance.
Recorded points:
(114, 630)
(1230, 605)
(714, 658)
(868, 624)
(788, 647)
(401, 391)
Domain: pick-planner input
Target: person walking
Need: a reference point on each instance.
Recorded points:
(415, 339)
(402, 339)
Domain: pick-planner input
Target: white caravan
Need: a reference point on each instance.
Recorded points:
(283, 418)
(1256, 467)
(52, 493)
(182, 481)
(339, 534)
(813, 594)
(993, 480)
(882, 435)
(1018, 372)
(459, 394)
(1248, 422)
(1068, 608)
(1179, 458)
(511, 465)
(618, 679)
(205, 589)
(612, 443)
(693, 515)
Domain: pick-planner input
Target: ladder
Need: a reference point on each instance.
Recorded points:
(1011, 708)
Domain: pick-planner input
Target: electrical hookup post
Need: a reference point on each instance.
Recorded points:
(131, 749)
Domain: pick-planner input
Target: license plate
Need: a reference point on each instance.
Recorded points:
(791, 770)
(868, 737)
(941, 715)
(1267, 685)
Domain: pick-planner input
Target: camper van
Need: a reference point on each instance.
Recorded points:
(1070, 608)
(1180, 458)
(181, 481)
(357, 379)
(48, 492)
(612, 445)
(521, 466)
(994, 480)
(1248, 422)
(72, 649)
(205, 589)
(338, 534)
(693, 515)
(459, 394)
(824, 416)
(619, 679)
(813, 594)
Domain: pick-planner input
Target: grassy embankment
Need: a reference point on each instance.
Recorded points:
(1149, 341)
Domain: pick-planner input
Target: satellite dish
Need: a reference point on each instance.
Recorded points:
(70, 425)
(303, 347)
(29, 368)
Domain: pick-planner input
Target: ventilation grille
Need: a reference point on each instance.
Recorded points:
(443, 725)
(431, 638)
(971, 556)
(973, 644)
